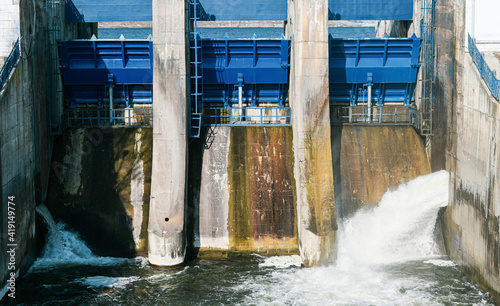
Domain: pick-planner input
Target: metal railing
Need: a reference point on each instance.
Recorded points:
(130, 117)
(488, 75)
(378, 115)
(9, 64)
(427, 57)
(255, 116)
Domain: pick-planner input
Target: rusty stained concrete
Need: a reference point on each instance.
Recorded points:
(241, 192)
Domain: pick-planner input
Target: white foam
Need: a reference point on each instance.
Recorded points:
(106, 281)
(400, 228)
(441, 263)
(282, 261)
(64, 247)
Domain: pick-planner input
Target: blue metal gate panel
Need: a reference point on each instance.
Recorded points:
(370, 9)
(108, 10)
(243, 10)
(89, 62)
(391, 64)
(89, 67)
(262, 65)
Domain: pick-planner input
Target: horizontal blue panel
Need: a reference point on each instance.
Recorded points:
(108, 10)
(89, 62)
(381, 93)
(99, 94)
(252, 94)
(260, 61)
(141, 10)
(390, 65)
(243, 10)
(370, 9)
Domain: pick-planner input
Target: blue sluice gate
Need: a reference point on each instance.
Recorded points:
(260, 67)
(95, 70)
(90, 67)
(389, 65)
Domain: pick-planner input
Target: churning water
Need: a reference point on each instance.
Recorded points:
(387, 256)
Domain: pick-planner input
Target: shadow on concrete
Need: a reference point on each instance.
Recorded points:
(97, 211)
(197, 147)
(336, 140)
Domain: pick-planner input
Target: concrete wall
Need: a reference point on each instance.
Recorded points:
(369, 160)
(24, 142)
(170, 115)
(309, 87)
(241, 192)
(100, 186)
(472, 227)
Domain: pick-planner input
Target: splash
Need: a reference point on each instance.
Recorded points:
(65, 247)
(400, 228)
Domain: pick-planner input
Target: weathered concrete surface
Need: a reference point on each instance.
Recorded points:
(208, 204)
(100, 187)
(369, 160)
(471, 222)
(261, 199)
(25, 145)
(317, 223)
(241, 196)
(449, 44)
(167, 245)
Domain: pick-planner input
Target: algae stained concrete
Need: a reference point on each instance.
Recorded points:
(369, 160)
(309, 80)
(100, 185)
(167, 244)
(241, 192)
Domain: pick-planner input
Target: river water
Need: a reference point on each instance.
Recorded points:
(386, 256)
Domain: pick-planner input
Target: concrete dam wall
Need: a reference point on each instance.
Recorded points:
(241, 191)
(241, 186)
(369, 160)
(472, 227)
(100, 186)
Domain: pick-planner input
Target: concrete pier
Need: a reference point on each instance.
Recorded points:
(166, 237)
(317, 225)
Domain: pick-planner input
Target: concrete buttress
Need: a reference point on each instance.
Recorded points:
(166, 237)
(317, 223)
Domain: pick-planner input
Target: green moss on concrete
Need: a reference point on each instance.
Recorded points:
(240, 229)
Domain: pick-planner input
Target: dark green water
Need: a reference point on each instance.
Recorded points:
(242, 281)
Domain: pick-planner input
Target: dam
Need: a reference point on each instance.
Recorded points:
(147, 166)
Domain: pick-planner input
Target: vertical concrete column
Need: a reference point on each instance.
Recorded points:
(166, 237)
(309, 97)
